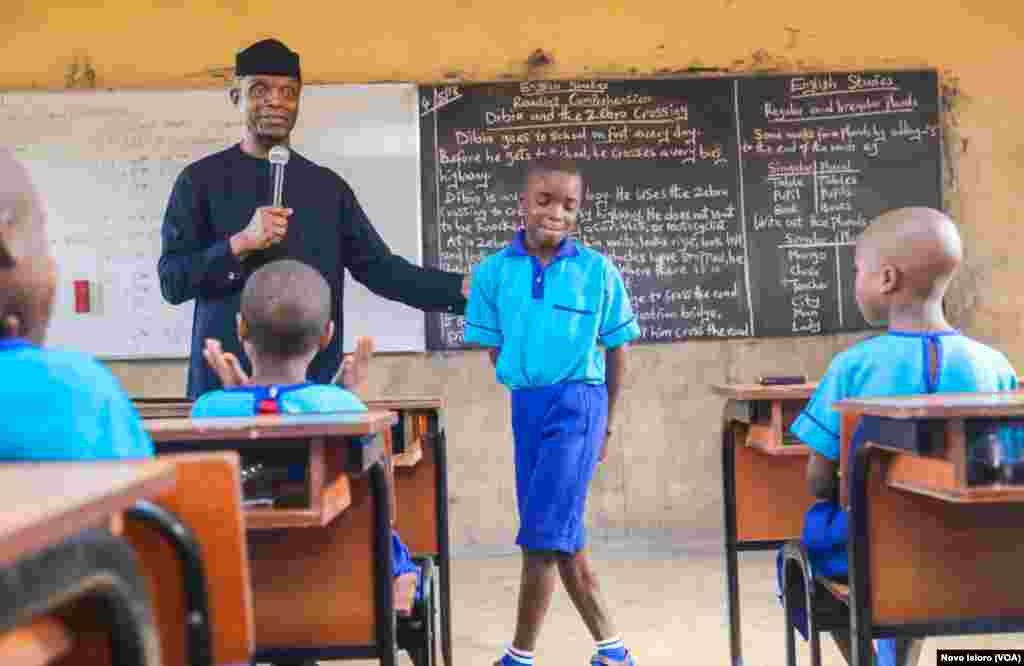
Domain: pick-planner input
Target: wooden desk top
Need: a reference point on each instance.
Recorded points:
(415, 402)
(411, 402)
(43, 503)
(763, 392)
(939, 406)
(273, 426)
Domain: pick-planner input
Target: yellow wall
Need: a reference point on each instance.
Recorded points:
(664, 469)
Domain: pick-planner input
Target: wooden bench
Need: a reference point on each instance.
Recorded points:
(930, 555)
(70, 590)
(764, 472)
(321, 572)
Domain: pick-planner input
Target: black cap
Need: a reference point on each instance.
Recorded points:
(268, 56)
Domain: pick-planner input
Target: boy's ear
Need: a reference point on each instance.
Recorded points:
(6, 258)
(7, 253)
(327, 335)
(10, 326)
(243, 326)
(891, 279)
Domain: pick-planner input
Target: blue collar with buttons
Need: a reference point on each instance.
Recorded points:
(567, 248)
(556, 330)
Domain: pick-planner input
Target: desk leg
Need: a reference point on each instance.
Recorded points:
(444, 544)
(197, 612)
(731, 565)
(861, 619)
(386, 630)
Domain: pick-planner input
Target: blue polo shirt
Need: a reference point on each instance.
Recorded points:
(62, 405)
(897, 363)
(549, 321)
(306, 398)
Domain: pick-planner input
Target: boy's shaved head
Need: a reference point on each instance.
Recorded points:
(27, 272)
(922, 243)
(543, 165)
(286, 306)
(22, 221)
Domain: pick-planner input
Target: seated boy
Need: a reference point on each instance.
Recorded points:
(904, 262)
(60, 405)
(285, 320)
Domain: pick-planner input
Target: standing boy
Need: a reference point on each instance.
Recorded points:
(545, 305)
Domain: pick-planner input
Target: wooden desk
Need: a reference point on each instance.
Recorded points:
(37, 526)
(930, 556)
(764, 479)
(421, 492)
(34, 516)
(330, 454)
(421, 482)
(163, 408)
(311, 579)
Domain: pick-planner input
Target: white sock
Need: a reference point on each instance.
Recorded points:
(517, 656)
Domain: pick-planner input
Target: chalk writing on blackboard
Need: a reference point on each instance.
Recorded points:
(730, 206)
(822, 156)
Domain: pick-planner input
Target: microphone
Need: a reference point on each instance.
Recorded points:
(278, 157)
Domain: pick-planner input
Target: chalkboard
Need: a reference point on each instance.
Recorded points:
(105, 162)
(730, 205)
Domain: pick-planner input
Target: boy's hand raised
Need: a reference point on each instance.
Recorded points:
(225, 364)
(354, 373)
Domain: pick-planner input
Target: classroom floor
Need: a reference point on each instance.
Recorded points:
(669, 605)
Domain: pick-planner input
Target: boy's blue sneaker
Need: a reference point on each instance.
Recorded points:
(602, 660)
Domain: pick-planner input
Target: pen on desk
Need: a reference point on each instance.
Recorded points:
(782, 380)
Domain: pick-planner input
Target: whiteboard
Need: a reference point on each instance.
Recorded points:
(105, 162)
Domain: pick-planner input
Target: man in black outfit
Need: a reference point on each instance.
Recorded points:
(218, 227)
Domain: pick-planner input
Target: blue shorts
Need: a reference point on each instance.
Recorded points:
(402, 562)
(559, 431)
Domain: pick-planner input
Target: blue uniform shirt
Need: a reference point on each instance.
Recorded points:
(292, 399)
(62, 405)
(548, 321)
(896, 363)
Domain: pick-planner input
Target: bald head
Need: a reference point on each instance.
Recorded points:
(27, 272)
(22, 230)
(286, 306)
(922, 243)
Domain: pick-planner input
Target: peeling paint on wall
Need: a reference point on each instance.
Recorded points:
(219, 72)
(540, 58)
(80, 73)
